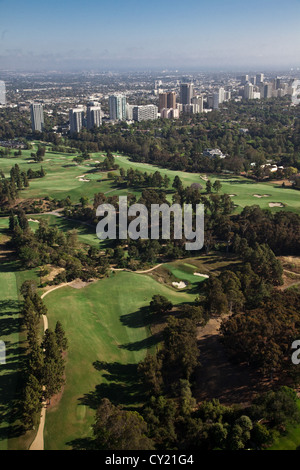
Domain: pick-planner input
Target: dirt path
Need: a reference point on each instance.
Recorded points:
(138, 272)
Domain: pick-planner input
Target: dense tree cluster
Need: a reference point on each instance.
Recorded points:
(48, 245)
(44, 370)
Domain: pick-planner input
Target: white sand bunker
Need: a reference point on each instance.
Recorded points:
(232, 195)
(32, 220)
(82, 178)
(179, 285)
(261, 195)
(202, 275)
(276, 204)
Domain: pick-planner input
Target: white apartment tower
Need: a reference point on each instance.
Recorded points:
(37, 117)
(117, 107)
(2, 93)
(147, 112)
(249, 91)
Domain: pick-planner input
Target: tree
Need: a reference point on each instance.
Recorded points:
(150, 370)
(32, 401)
(217, 186)
(61, 339)
(208, 187)
(160, 304)
(117, 429)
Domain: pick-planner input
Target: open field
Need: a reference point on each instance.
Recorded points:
(66, 178)
(106, 324)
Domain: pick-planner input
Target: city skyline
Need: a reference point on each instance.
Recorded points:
(136, 35)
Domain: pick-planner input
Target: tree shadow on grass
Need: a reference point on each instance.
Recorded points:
(122, 386)
(141, 318)
(146, 343)
(82, 444)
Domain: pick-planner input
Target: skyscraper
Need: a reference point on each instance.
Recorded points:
(163, 98)
(259, 78)
(248, 91)
(117, 107)
(76, 116)
(186, 93)
(2, 93)
(167, 100)
(37, 117)
(171, 100)
(93, 115)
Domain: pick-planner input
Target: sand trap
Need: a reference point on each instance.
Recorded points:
(276, 204)
(83, 179)
(179, 285)
(202, 275)
(261, 195)
(232, 195)
(97, 161)
(32, 220)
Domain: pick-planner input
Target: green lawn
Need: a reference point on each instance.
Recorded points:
(108, 335)
(63, 179)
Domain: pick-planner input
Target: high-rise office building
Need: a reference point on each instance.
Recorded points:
(2, 93)
(244, 79)
(147, 112)
(163, 101)
(216, 100)
(93, 115)
(37, 117)
(117, 107)
(171, 100)
(167, 100)
(268, 90)
(186, 93)
(259, 78)
(76, 117)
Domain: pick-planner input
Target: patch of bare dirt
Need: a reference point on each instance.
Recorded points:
(217, 377)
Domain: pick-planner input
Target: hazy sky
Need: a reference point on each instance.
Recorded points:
(85, 34)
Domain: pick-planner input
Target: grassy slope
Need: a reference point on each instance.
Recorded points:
(103, 323)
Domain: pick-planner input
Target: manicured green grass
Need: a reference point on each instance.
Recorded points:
(108, 334)
(62, 180)
(184, 272)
